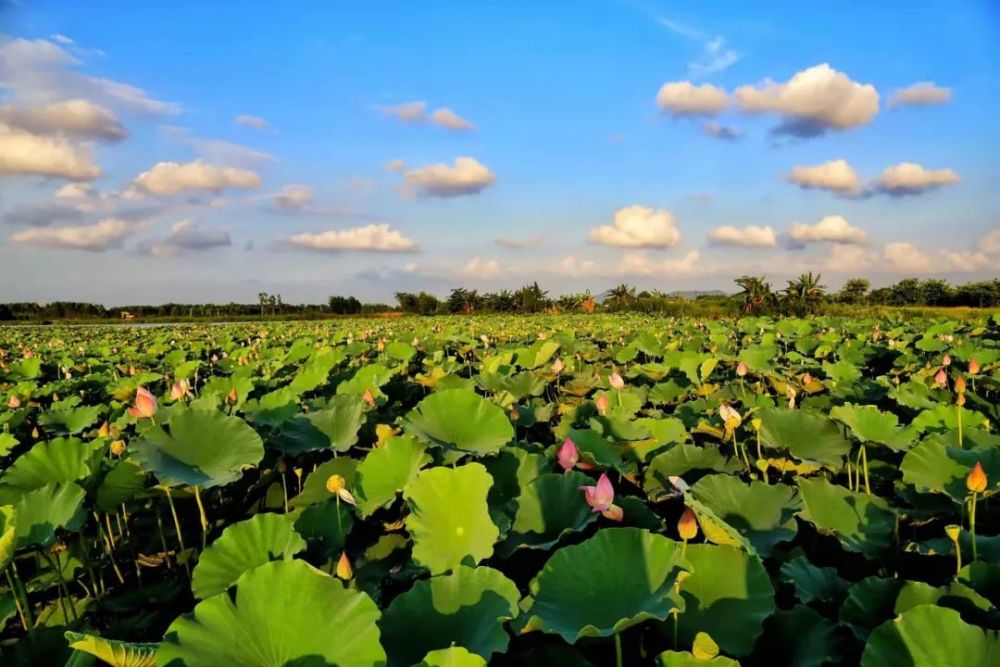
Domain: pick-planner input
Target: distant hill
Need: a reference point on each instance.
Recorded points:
(694, 294)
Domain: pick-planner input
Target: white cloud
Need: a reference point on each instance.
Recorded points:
(908, 178)
(216, 150)
(921, 94)
(638, 227)
(515, 243)
(990, 243)
(26, 154)
(907, 258)
(813, 101)
(253, 122)
(187, 236)
(449, 119)
(466, 177)
(850, 259)
(719, 131)
(108, 233)
(482, 268)
(170, 178)
(714, 56)
(575, 268)
(639, 263)
(683, 98)
(831, 229)
(41, 72)
(373, 238)
(293, 198)
(408, 112)
(752, 236)
(77, 118)
(835, 175)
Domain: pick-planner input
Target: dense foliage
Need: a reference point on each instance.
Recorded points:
(572, 490)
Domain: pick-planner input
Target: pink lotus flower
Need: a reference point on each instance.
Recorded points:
(941, 379)
(946, 360)
(568, 455)
(741, 368)
(603, 403)
(558, 366)
(616, 381)
(13, 402)
(179, 390)
(145, 404)
(807, 378)
(973, 366)
(601, 498)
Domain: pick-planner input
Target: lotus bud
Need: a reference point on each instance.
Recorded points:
(344, 570)
(369, 398)
(960, 385)
(131, 370)
(558, 366)
(337, 485)
(179, 390)
(741, 368)
(601, 498)
(281, 466)
(976, 481)
(214, 358)
(145, 404)
(568, 455)
(946, 360)
(973, 366)
(231, 397)
(13, 402)
(380, 345)
(515, 414)
(687, 527)
(756, 423)
(28, 354)
(105, 430)
(941, 378)
(118, 447)
(616, 381)
(603, 403)
(807, 378)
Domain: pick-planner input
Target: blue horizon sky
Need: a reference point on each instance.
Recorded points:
(567, 129)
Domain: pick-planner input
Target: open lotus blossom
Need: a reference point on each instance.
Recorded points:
(558, 366)
(344, 570)
(603, 403)
(741, 368)
(973, 366)
(145, 404)
(337, 485)
(616, 381)
(941, 378)
(687, 526)
(179, 390)
(568, 455)
(601, 498)
(13, 402)
(977, 481)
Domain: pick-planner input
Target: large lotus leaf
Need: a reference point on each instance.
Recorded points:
(869, 602)
(682, 459)
(367, 378)
(549, 507)
(456, 656)
(114, 653)
(728, 596)
(461, 419)
(203, 448)
(763, 513)
(930, 636)
(242, 547)
(807, 436)
(325, 526)
(715, 529)
(312, 374)
(315, 491)
(861, 522)
(386, 471)
(273, 408)
(943, 417)
(800, 637)
(595, 449)
(869, 424)
(8, 536)
(70, 419)
(340, 421)
(122, 483)
(933, 467)
(54, 462)
(466, 608)
(984, 578)
(610, 582)
(282, 613)
(449, 517)
(664, 433)
(43, 510)
(811, 582)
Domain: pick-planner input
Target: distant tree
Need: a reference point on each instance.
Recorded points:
(531, 299)
(462, 300)
(936, 292)
(757, 294)
(854, 290)
(621, 296)
(344, 305)
(804, 294)
(906, 292)
(499, 302)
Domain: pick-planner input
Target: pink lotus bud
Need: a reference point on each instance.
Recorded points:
(616, 381)
(568, 455)
(741, 368)
(558, 366)
(13, 402)
(807, 378)
(941, 379)
(946, 360)
(602, 403)
(973, 366)
(145, 404)
(179, 390)
(369, 398)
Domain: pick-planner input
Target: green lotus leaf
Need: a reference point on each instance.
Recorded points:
(933, 467)
(202, 448)
(7, 443)
(807, 436)
(449, 517)
(367, 378)
(273, 408)
(728, 596)
(335, 427)
(386, 471)
(664, 433)
(869, 602)
(122, 483)
(862, 523)
(53, 462)
(813, 583)
(455, 656)
(242, 547)
(687, 659)
(680, 460)
(461, 419)
(40, 512)
(943, 417)
(466, 608)
(930, 636)
(284, 612)
(541, 352)
(70, 420)
(800, 637)
(8, 536)
(594, 448)
(763, 513)
(984, 578)
(325, 526)
(716, 529)
(869, 424)
(549, 507)
(313, 374)
(114, 653)
(314, 490)
(610, 582)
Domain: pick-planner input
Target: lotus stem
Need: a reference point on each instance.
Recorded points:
(19, 586)
(864, 463)
(111, 532)
(108, 549)
(618, 650)
(90, 566)
(177, 527)
(204, 519)
(59, 585)
(739, 451)
(972, 525)
(958, 413)
(850, 477)
(958, 558)
(163, 539)
(14, 593)
(284, 491)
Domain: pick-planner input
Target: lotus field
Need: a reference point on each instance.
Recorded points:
(552, 491)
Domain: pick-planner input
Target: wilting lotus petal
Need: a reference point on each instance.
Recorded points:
(977, 481)
(616, 381)
(614, 513)
(337, 485)
(728, 414)
(145, 404)
(568, 455)
(601, 496)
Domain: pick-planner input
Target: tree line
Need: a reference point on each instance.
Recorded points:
(756, 296)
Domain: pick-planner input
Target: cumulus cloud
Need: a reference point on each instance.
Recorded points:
(447, 118)
(638, 263)
(683, 98)
(41, 214)
(920, 94)
(575, 268)
(253, 122)
(850, 259)
(187, 236)
(831, 229)
(835, 175)
(482, 268)
(293, 198)
(416, 112)
(638, 227)
(39, 72)
(171, 178)
(724, 132)
(76, 118)
(98, 237)
(370, 238)
(751, 236)
(812, 102)
(519, 243)
(909, 178)
(26, 154)
(907, 258)
(466, 177)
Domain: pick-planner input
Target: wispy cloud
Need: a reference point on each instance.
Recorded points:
(714, 56)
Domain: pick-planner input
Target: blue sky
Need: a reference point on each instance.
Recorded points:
(407, 145)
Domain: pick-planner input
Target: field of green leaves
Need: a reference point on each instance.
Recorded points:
(531, 491)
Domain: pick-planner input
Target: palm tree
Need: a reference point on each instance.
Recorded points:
(805, 292)
(621, 296)
(756, 294)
